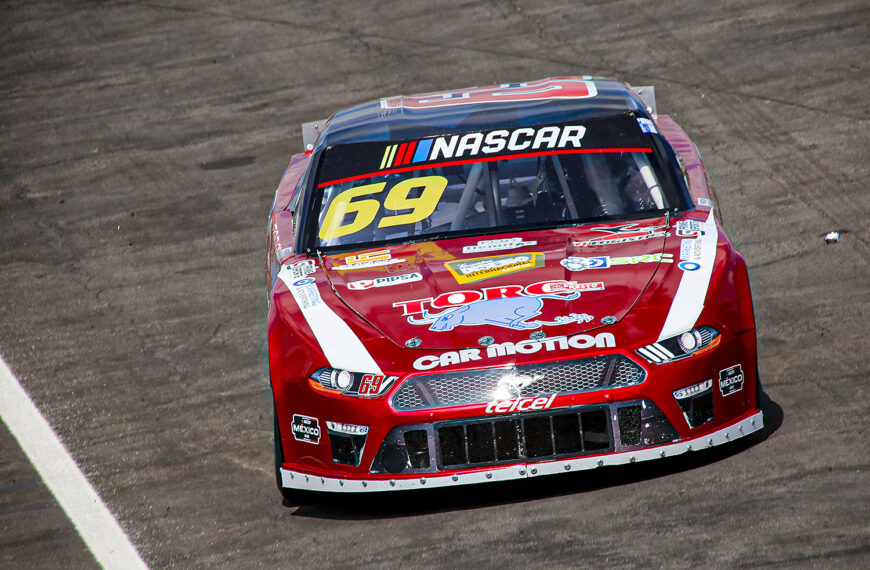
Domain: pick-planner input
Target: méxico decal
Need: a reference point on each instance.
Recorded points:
(605, 261)
(305, 429)
(481, 268)
(731, 380)
(511, 306)
(623, 234)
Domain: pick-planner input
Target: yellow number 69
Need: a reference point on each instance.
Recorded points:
(367, 210)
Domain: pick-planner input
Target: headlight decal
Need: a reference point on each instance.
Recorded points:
(683, 345)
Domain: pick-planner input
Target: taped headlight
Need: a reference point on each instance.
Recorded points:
(695, 341)
(351, 383)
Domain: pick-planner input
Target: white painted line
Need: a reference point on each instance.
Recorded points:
(98, 528)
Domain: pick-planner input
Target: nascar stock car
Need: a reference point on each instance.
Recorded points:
(501, 283)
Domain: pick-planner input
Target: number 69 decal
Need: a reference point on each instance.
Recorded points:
(366, 210)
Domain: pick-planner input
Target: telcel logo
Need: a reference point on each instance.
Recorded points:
(520, 404)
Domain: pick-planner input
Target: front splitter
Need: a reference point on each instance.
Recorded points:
(305, 481)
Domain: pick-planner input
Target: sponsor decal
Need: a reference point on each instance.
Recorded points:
(497, 244)
(520, 404)
(689, 228)
(301, 269)
(475, 144)
(365, 260)
(362, 161)
(705, 202)
(509, 306)
(554, 88)
(374, 384)
(306, 293)
(623, 234)
(731, 380)
(605, 261)
(481, 268)
(305, 429)
(647, 126)
(690, 254)
(498, 350)
(363, 284)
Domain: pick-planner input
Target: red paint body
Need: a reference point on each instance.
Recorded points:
(638, 295)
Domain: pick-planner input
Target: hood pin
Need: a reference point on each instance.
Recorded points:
(413, 342)
(608, 320)
(537, 335)
(485, 340)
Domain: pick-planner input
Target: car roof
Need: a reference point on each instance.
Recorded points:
(546, 101)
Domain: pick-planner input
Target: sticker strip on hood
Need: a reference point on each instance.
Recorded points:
(689, 299)
(342, 348)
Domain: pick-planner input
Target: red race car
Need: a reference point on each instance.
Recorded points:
(500, 283)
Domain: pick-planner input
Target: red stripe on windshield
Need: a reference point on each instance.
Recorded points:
(485, 159)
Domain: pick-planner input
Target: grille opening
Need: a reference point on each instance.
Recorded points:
(506, 439)
(702, 409)
(417, 445)
(451, 440)
(595, 433)
(629, 425)
(566, 434)
(342, 449)
(346, 448)
(539, 439)
(477, 386)
(480, 443)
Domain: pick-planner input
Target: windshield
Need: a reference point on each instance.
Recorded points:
(504, 178)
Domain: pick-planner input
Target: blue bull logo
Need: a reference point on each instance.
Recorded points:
(508, 312)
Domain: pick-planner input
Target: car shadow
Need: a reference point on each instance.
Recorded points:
(368, 506)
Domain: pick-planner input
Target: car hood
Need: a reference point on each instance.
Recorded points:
(468, 292)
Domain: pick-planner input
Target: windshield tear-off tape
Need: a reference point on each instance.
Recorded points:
(342, 348)
(689, 300)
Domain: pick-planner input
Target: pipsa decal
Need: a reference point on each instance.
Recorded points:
(481, 268)
(497, 244)
(689, 228)
(305, 429)
(366, 260)
(605, 261)
(731, 380)
(363, 284)
(498, 350)
(623, 234)
(511, 306)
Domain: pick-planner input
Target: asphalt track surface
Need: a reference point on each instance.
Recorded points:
(140, 145)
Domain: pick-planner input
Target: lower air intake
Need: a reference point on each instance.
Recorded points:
(532, 437)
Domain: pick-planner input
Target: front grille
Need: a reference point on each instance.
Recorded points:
(531, 437)
(527, 381)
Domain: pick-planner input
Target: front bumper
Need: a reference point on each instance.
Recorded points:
(752, 421)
